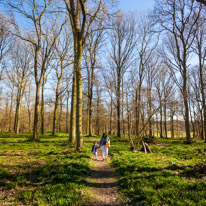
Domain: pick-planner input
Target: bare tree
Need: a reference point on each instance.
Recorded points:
(37, 15)
(94, 46)
(81, 18)
(147, 41)
(200, 50)
(19, 75)
(179, 19)
(63, 47)
(121, 55)
(6, 40)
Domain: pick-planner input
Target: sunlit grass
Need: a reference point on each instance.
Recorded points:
(49, 172)
(172, 175)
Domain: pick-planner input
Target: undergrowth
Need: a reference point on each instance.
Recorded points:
(49, 172)
(174, 174)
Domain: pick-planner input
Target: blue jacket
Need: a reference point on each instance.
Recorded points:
(102, 141)
(94, 148)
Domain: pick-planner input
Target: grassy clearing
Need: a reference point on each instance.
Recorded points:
(175, 174)
(49, 172)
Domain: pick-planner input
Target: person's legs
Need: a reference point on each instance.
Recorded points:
(96, 155)
(103, 151)
(106, 152)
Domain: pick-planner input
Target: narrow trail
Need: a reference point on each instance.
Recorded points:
(103, 184)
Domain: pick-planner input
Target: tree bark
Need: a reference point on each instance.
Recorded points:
(172, 126)
(98, 102)
(18, 110)
(111, 115)
(79, 137)
(202, 92)
(36, 113)
(165, 119)
(118, 106)
(67, 114)
(42, 105)
(72, 135)
(187, 121)
(56, 106)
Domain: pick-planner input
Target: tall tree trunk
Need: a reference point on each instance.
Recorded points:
(202, 128)
(172, 126)
(11, 108)
(111, 115)
(202, 93)
(122, 110)
(165, 118)
(150, 113)
(56, 106)
(60, 115)
(157, 125)
(187, 121)
(36, 112)
(28, 109)
(79, 137)
(88, 117)
(138, 109)
(98, 102)
(90, 100)
(118, 107)
(161, 119)
(18, 111)
(72, 135)
(67, 114)
(42, 105)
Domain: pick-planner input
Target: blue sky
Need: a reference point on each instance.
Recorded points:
(131, 5)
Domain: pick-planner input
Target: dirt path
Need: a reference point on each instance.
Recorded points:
(103, 184)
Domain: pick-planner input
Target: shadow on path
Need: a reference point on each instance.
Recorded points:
(103, 184)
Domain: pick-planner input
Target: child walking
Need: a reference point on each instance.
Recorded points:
(94, 150)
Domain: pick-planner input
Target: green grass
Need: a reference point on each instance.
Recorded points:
(49, 172)
(173, 175)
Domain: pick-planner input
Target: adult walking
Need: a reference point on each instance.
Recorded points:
(105, 144)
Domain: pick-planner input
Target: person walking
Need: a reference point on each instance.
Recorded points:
(105, 144)
(94, 150)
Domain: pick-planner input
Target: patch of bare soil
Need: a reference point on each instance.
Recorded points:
(103, 184)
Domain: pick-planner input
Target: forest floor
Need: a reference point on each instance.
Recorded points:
(103, 183)
(52, 172)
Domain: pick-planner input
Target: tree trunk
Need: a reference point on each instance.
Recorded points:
(111, 114)
(88, 116)
(56, 107)
(203, 94)
(161, 119)
(36, 112)
(18, 111)
(172, 126)
(67, 114)
(72, 135)
(150, 113)
(157, 125)
(42, 105)
(79, 137)
(98, 102)
(165, 119)
(11, 108)
(187, 121)
(118, 107)
(60, 115)
(90, 100)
